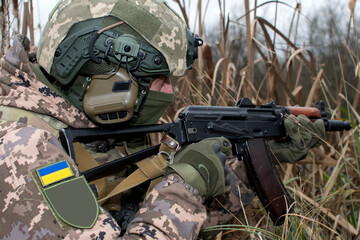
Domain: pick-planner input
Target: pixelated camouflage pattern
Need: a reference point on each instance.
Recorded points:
(169, 37)
(25, 147)
(223, 208)
(37, 120)
(27, 142)
(173, 209)
(24, 213)
(20, 89)
(176, 210)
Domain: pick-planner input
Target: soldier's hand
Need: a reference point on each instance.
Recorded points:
(303, 135)
(202, 165)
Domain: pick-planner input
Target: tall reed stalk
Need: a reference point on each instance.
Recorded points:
(324, 184)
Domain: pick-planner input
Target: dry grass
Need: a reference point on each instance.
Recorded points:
(325, 184)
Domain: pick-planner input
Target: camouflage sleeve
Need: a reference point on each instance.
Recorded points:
(24, 212)
(172, 210)
(223, 208)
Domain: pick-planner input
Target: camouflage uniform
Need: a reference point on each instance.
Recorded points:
(31, 115)
(173, 209)
(27, 142)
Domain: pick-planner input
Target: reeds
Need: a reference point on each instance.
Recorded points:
(326, 183)
(10, 21)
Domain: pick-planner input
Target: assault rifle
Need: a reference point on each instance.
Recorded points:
(246, 125)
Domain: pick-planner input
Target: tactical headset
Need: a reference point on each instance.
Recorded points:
(119, 68)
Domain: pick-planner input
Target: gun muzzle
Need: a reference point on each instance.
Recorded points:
(337, 125)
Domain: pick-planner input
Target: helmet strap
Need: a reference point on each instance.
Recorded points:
(144, 86)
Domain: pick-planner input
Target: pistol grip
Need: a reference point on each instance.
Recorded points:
(265, 180)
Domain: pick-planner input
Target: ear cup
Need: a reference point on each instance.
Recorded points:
(111, 98)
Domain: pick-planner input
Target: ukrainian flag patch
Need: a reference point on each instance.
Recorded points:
(54, 173)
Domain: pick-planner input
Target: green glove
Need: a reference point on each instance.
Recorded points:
(202, 165)
(303, 135)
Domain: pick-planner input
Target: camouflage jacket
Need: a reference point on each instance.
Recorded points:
(28, 140)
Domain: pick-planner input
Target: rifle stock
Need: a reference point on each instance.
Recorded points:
(246, 125)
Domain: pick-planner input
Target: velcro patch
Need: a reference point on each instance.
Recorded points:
(54, 173)
(73, 202)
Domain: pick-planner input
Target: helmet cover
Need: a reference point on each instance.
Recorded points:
(159, 25)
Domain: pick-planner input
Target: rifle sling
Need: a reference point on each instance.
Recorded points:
(148, 169)
(85, 161)
(113, 166)
(151, 168)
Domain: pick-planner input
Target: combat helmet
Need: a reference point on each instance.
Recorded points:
(103, 55)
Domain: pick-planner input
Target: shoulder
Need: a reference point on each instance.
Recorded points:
(23, 149)
(19, 139)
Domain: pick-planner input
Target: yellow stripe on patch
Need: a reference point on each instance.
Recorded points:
(56, 176)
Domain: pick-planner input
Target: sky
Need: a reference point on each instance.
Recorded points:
(234, 8)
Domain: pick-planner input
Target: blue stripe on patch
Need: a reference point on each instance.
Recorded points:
(52, 168)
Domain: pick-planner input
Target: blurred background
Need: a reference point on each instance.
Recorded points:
(294, 52)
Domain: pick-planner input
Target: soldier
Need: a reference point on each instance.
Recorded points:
(102, 63)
